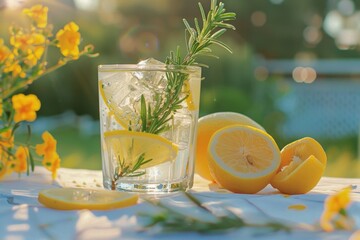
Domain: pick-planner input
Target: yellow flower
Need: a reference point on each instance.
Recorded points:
(4, 51)
(52, 163)
(48, 148)
(6, 140)
(21, 156)
(21, 41)
(33, 56)
(69, 40)
(3, 164)
(5, 167)
(334, 215)
(38, 13)
(25, 107)
(15, 68)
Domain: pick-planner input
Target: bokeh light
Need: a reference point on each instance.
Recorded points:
(304, 74)
(312, 35)
(258, 18)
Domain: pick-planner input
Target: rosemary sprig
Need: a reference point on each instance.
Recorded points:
(170, 220)
(127, 170)
(157, 114)
(199, 39)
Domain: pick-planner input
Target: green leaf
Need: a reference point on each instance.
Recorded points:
(29, 133)
(202, 12)
(4, 129)
(218, 33)
(187, 25)
(197, 26)
(221, 44)
(143, 113)
(16, 126)
(32, 162)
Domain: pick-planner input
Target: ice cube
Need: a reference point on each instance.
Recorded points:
(150, 61)
(152, 78)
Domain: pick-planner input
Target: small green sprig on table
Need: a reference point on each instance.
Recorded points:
(170, 220)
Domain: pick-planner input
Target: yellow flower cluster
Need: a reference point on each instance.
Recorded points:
(21, 63)
(335, 215)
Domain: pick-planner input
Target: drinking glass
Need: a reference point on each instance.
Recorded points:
(148, 117)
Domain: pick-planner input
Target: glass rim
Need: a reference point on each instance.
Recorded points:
(152, 67)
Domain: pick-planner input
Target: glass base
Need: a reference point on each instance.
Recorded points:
(151, 188)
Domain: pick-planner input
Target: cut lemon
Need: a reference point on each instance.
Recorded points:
(303, 163)
(112, 94)
(243, 159)
(207, 126)
(128, 146)
(192, 101)
(77, 198)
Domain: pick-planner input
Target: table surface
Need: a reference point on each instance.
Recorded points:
(23, 217)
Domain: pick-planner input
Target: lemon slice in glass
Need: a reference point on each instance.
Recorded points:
(78, 198)
(190, 100)
(128, 146)
(111, 93)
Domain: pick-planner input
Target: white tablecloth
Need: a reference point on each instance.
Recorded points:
(23, 217)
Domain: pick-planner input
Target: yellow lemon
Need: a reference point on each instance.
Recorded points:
(207, 126)
(111, 92)
(192, 89)
(128, 146)
(77, 198)
(243, 159)
(303, 163)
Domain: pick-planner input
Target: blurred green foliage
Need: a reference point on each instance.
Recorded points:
(127, 31)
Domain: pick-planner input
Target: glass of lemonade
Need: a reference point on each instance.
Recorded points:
(148, 117)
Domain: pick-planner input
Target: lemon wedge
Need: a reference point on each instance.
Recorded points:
(78, 198)
(303, 164)
(128, 146)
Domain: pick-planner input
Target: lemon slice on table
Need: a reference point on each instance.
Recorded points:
(128, 146)
(78, 198)
(303, 164)
(207, 126)
(243, 159)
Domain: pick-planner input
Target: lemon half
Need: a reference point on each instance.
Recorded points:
(207, 126)
(243, 159)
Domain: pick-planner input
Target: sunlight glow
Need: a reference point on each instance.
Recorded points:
(87, 5)
(14, 3)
